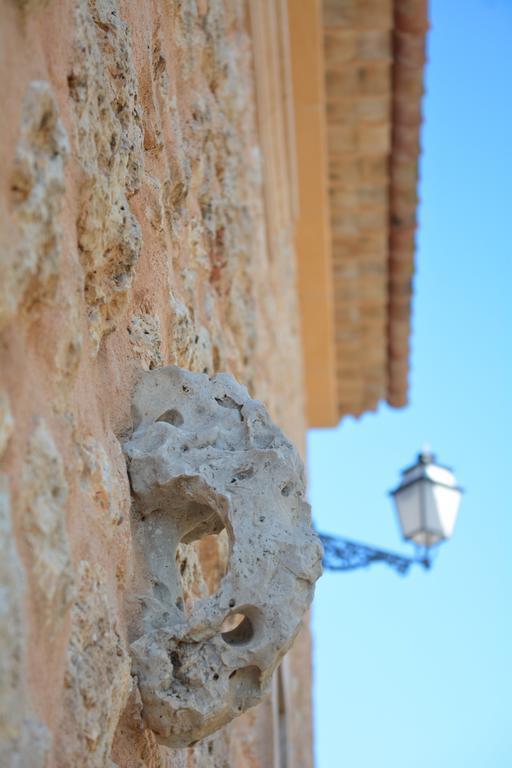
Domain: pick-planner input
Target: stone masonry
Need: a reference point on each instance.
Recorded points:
(133, 236)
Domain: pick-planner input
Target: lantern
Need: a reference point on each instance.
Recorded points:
(427, 502)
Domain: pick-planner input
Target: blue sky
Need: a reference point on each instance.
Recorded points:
(416, 671)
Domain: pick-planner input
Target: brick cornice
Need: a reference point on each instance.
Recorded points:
(408, 44)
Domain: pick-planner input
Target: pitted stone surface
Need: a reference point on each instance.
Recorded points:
(203, 457)
(194, 251)
(97, 678)
(45, 492)
(99, 479)
(24, 740)
(12, 588)
(146, 340)
(29, 275)
(6, 422)
(103, 87)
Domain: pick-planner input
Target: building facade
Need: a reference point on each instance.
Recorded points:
(215, 184)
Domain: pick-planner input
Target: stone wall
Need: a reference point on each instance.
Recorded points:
(133, 235)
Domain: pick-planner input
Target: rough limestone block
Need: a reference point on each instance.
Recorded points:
(45, 492)
(205, 457)
(12, 588)
(29, 275)
(146, 340)
(6, 422)
(104, 91)
(24, 740)
(100, 481)
(97, 678)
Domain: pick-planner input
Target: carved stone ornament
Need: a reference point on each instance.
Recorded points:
(204, 456)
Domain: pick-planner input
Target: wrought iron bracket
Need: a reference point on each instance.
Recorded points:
(346, 555)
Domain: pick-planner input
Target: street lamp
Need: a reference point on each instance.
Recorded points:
(427, 502)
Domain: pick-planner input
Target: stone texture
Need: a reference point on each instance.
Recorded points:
(35, 747)
(97, 677)
(12, 588)
(30, 272)
(24, 740)
(69, 343)
(103, 87)
(45, 491)
(204, 457)
(196, 263)
(146, 340)
(104, 485)
(6, 422)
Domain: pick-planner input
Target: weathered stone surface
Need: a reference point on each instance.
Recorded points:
(24, 740)
(45, 491)
(35, 745)
(146, 340)
(69, 345)
(101, 481)
(223, 298)
(97, 678)
(12, 588)
(6, 422)
(103, 87)
(29, 274)
(205, 456)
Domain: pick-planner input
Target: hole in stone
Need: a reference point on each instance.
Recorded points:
(286, 489)
(175, 661)
(245, 688)
(203, 553)
(202, 521)
(207, 562)
(172, 416)
(237, 629)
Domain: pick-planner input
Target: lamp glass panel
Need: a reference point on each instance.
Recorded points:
(447, 502)
(431, 524)
(408, 505)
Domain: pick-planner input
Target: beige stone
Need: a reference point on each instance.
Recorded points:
(30, 272)
(97, 677)
(12, 636)
(146, 340)
(43, 503)
(6, 422)
(101, 481)
(103, 88)
(25, 741)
